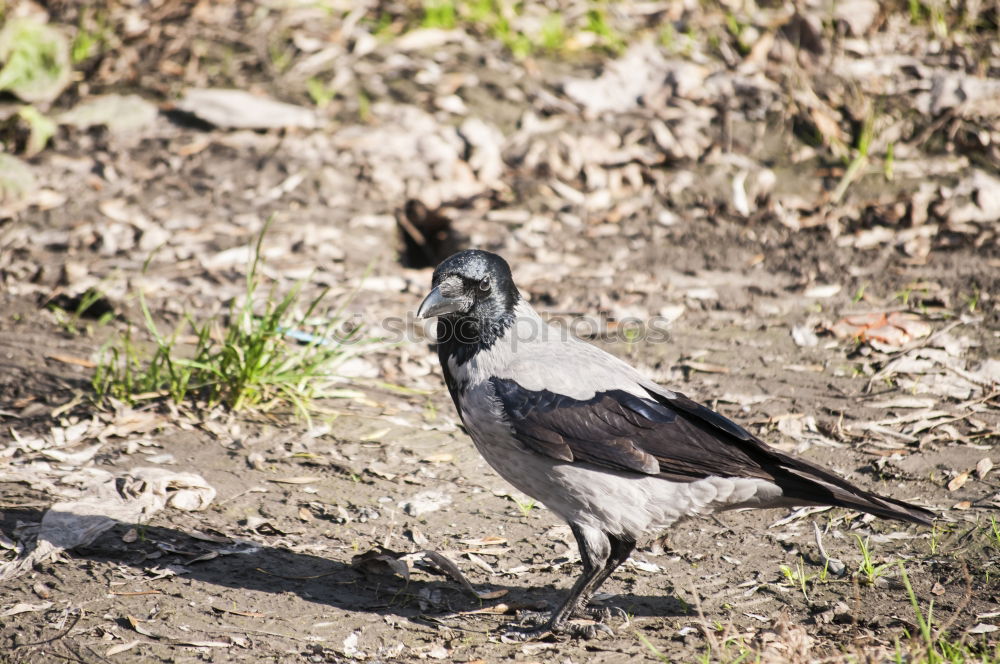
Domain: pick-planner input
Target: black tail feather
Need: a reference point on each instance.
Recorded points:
(802, 480)
(889, 508)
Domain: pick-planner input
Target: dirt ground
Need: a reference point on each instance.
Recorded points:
(275, 568)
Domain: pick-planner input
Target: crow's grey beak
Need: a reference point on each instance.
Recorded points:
(436, 304)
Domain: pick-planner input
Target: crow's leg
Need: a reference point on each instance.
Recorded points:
(601, 554)
(621, 549)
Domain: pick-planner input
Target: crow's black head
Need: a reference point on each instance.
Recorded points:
(473, 291)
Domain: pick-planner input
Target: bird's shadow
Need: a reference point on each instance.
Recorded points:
(316, 579)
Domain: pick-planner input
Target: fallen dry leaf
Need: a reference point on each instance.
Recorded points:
(958, 481)
(105, 501)
(24, 607)
(803, 335)
(451, 569)
(893, 330)
(205, 644)
(426, 502)
(983, 628)
(381, 561)
(239, 109)
(247, 614)
(438, 651)
(820, 291)
(705, 367)
(136, 624)
(294, 480)
(208, 537)
(121, 647)
(984, 466)
(489, 540)
(70, 359)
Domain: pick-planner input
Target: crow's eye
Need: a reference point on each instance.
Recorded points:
(485, 285)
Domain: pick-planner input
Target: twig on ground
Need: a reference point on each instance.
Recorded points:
(77, 614)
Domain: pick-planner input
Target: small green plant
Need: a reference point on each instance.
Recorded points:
(84, 45)
(631, 334)
(36, 60)
(438, 14)
(281, 54)
(796, 576)
(868, 569)
(40, 129)
(364, 107)
(526, 505)
(35, 67)
(714, 42)
(860, 159)
(495, 17)
(656, 652)
(384, 28)
(141, 529)
(824, 573)
(597, 23)
(936, 533)
(933, 13)
(972, 301)
(924, 625)
(682, 44)
(722, 652)
(320, 93)
(553, 33)
(525, 29)
(668, 37)
(737, 28)
(93, 34)
(866, 135)
(71, 321)
(430, 411)
(241, 361)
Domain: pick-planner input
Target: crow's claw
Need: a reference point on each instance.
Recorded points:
(598, 614)
(518, 634)
(533, 618)
(576, 628)
(586, 629)
(595, 613)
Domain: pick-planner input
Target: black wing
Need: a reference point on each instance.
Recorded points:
(675, 438)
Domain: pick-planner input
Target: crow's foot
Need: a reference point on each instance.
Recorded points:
(594, 613)
(536, 627)
(599, 614)
(519, 634)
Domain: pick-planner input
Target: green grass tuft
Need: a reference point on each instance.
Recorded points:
(868, 569)
(320, 93)
(36, 60)
(438, 14)
(242, 361)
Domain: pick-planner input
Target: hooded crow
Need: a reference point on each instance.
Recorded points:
(611, 452)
